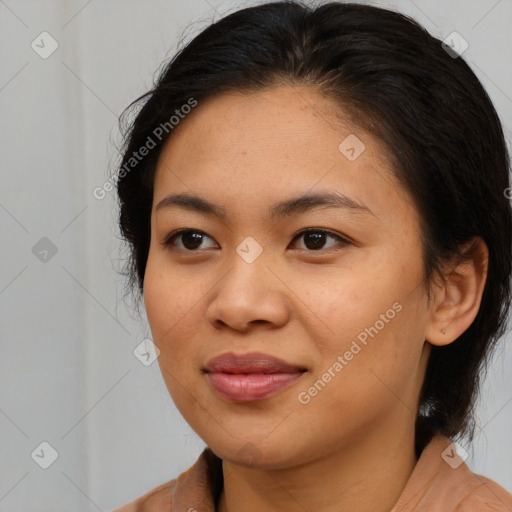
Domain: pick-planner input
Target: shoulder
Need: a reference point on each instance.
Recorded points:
(486, 495)
(442, 482)
(158, 499)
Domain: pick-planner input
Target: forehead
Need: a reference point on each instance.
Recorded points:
(283, 116)
(286, 138)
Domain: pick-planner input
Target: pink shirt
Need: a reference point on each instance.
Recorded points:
(441, 482)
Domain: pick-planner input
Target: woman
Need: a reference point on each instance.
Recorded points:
(316, 205)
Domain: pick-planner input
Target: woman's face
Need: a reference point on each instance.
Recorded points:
(350, 312)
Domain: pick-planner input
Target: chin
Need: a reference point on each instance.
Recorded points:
(263, 454)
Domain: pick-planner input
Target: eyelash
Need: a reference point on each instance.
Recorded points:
(343, 241)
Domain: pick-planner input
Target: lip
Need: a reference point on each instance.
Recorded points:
(254, 362)
(250, 377)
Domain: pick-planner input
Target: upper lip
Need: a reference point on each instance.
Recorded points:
(253, 362)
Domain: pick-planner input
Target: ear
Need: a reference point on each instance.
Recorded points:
(457, 299)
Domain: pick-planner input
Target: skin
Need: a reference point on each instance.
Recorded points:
(351, 447)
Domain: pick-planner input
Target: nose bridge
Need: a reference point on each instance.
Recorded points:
(249, 250)
(248, 269)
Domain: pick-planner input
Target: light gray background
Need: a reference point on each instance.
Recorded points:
(68, 375)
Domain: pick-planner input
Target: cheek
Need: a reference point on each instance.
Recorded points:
(375, 322)
(172, 301)
(168, 298)
(157, 302)
(166, 310)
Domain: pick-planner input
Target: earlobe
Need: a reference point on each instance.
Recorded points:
(459, 298)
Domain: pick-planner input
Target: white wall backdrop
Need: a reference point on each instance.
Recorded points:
(68, 375)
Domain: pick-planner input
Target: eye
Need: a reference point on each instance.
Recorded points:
(191, 239)
(314, 239)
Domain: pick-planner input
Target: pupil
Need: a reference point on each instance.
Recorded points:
(317, 238)
(188, 239)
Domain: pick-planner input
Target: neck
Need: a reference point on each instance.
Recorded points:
(367, 474)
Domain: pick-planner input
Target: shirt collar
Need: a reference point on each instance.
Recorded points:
(440, 478)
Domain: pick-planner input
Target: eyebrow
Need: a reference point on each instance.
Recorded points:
(288, 207)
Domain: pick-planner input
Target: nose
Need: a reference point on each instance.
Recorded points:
(249, 293)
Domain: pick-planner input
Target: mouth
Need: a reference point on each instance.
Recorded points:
(250, 377)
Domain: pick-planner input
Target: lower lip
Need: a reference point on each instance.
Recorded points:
(249, 387)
